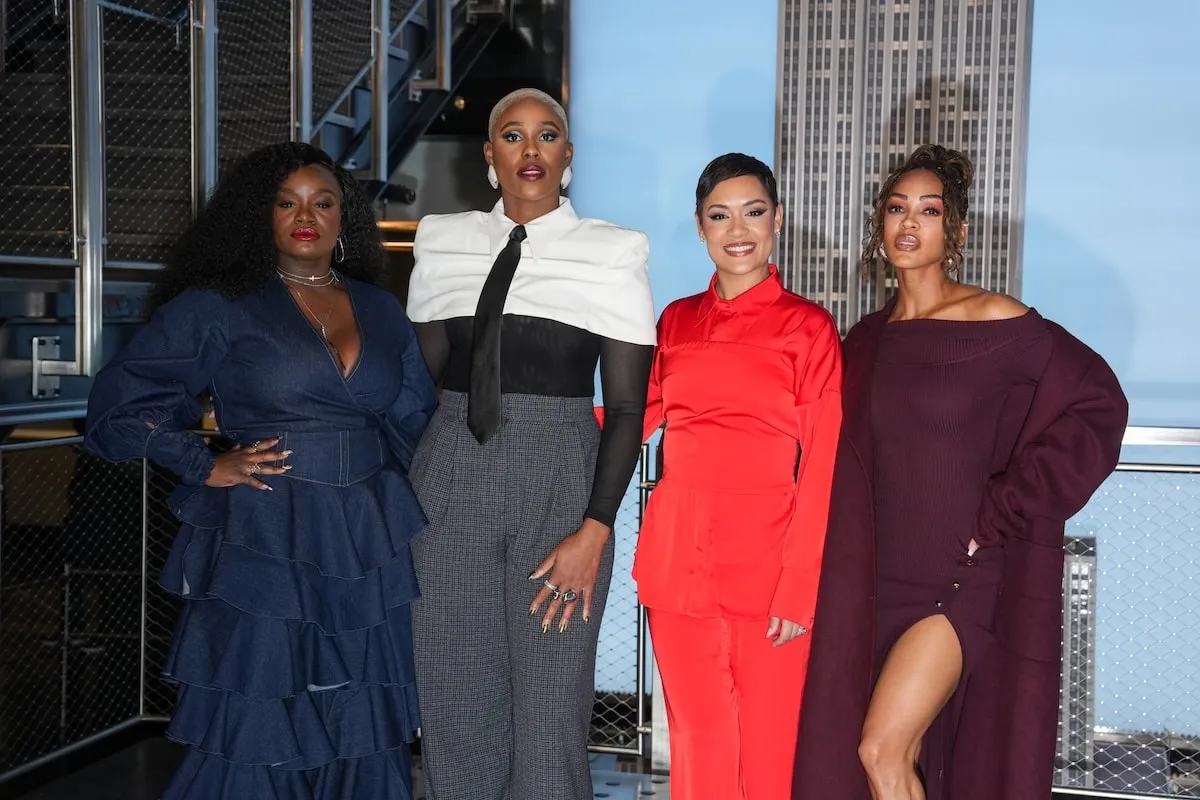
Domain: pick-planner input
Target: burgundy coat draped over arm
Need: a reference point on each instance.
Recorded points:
(1066, 434)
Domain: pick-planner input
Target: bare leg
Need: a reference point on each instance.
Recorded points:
(920, 674)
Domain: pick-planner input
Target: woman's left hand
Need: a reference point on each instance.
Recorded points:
(569, 575)
(784, 630)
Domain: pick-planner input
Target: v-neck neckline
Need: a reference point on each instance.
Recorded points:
(335, 359)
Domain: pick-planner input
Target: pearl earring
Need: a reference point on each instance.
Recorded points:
(493, 178)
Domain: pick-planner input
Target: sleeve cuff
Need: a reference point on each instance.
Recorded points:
(795, 597)
(182, 452)
(602, 516)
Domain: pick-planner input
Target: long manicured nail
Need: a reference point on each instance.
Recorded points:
(545, 627)
(532, 574)
(562, 628)
(286, 453)
(533, 611)
(287, 466)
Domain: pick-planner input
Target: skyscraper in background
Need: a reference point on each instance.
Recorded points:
(864, 82)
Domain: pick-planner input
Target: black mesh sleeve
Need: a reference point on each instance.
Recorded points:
(624, 374)
(435, 346)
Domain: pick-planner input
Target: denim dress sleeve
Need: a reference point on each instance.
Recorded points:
(408, 415)
(144, 403)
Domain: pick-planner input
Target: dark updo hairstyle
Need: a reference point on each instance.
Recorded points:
(230, 247)
(955, 172)
(734, 165)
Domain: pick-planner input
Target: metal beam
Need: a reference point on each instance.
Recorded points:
(204, 101)
(302, 70)
(444, 36)
(90, 217)
(381, 39)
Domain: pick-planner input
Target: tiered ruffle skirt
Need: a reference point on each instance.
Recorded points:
(293, 654)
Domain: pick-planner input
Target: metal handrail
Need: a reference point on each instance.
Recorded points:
(400, 225)
(1156, 436)
(43, 411)
(365, 69)
(71, 263)
(179, 19)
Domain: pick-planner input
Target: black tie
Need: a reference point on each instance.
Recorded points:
(483, 404)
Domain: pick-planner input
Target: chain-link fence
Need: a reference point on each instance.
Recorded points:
(35, 113)
(161, 607)
(71, 580)
(341, 49)
(146, 85)
(617, 715)
(254, 67)
(1130, 713)
(147, 126)
(85, 627)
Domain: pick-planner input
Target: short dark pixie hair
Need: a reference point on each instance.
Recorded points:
(734, 165)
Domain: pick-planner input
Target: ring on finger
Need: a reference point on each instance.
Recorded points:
(254, 468)
(549, 585)
(254, 447)
(570, 596)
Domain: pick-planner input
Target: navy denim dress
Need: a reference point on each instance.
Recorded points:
(293, 654)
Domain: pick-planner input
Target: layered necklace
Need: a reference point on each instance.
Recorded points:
(330, 278)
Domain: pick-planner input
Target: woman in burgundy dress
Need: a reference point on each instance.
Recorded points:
(974, 428)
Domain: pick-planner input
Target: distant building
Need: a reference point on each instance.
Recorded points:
(864, 83)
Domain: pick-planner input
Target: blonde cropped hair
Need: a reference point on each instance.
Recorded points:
(512, 98)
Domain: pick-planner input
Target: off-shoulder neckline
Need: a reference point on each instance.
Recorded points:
(1030, 314)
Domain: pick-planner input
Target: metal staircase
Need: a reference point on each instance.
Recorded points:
(147, 195)
(118, 116)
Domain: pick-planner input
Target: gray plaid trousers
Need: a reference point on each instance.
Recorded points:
(505, 708)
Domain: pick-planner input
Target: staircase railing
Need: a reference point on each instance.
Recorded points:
(89, 194)
(418, 57)
(393, 75)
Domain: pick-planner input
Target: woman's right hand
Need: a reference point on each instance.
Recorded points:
(243, 463)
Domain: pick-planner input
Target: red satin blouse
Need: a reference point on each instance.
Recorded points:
(749, 391)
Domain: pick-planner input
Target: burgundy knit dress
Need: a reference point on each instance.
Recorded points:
(938, 390)
(998, 431)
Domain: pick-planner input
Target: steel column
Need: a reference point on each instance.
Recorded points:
(204, 101)
(302, 70)
(87, 140)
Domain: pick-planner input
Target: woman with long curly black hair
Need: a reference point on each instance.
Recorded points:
(293, 654)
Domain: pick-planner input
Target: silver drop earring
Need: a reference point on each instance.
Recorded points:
(339, 250)
(492, 177)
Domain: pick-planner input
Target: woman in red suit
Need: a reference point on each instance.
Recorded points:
(746, 379)
(974, 428)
